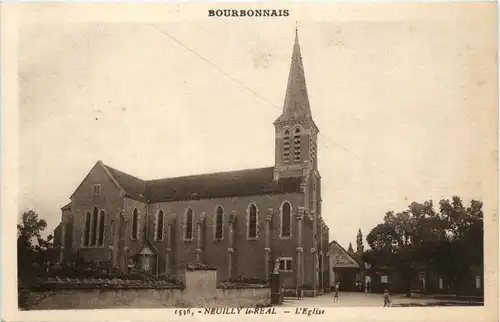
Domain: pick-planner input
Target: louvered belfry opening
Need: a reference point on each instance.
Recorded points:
(286, 147)
(296, 145)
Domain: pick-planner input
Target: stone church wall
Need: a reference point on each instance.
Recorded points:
(308, 256)
(249, 255)
(129, 206)
(248, 259)
(83, 200)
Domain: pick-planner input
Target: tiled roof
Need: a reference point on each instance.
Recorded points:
(205, 186)
(58, 235)
(134, 187)
(335, 246)
(222, 184)
(375, 268)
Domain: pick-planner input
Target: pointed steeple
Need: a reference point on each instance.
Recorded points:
(296, 99)
(296, 133)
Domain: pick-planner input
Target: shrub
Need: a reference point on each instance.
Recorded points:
(199, 266)
(91, 274)
(249, 280)
(243, 282)
(170, 278)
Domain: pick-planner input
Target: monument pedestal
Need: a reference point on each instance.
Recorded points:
(276, 295)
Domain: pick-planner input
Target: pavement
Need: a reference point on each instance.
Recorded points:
(358, 299)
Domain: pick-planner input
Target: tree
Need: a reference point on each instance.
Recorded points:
(33, 251)
(30, 226)
(461, 248)
(393, 241)
(359, 242)
(350, 250)
(450, 241)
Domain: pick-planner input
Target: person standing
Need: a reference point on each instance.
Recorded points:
(387, 298)
(299, 292)
(336, 295)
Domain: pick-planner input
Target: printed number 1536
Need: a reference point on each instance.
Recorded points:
(184, 312)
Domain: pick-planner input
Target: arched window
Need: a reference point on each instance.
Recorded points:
(135, 224)
(188, 228)
(252, 221)
(219, 219)
(86, 236)
(159, 225)
(286, 219)
(93, 233)
(286, 146)
(296, 145)
(102, 220)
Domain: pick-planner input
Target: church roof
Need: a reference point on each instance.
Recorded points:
(223, 184)
(58, 235)
(206, 186)
(296, 104)
(135, 188)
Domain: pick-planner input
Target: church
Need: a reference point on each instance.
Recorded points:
(239, 222)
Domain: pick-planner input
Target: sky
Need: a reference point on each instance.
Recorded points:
(402, 95)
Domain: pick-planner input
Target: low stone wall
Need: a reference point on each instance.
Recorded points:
(145, 298)
(305, 293)
(104, 298)
(247, 297)
(200, 291)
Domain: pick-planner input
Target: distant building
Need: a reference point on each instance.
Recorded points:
(425, 279)
(239, 222)
(346, 267)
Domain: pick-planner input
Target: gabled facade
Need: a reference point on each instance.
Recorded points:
(240, 222)
(346, 268)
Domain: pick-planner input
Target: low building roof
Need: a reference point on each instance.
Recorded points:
(342, 258)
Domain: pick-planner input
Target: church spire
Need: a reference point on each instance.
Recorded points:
(296, 99)
(296, 134)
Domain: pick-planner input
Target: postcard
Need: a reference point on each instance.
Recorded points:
(274, 160)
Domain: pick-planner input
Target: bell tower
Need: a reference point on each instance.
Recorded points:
(296, 138)
(296, 133)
